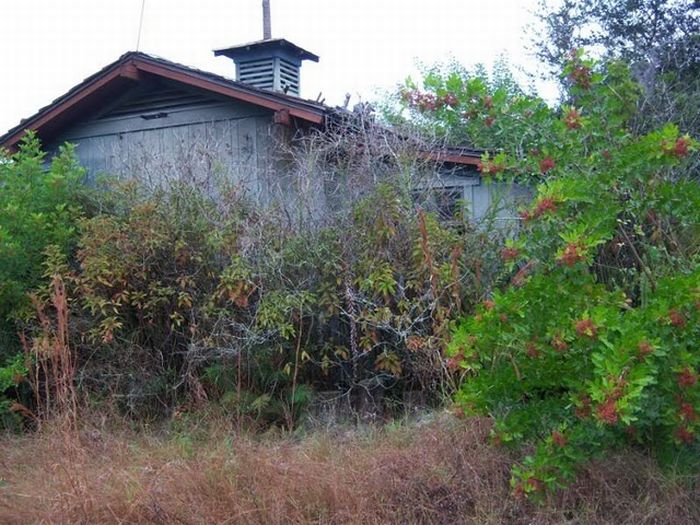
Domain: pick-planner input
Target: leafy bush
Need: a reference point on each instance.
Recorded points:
(11, 375)
(40, 204)
(594, 341)
(39, 207)
(181, 296)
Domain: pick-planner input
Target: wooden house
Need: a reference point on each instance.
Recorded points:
(144, 116)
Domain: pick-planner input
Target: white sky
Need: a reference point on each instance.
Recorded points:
(48, 46)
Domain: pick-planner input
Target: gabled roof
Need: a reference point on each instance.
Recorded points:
(102, 87)
(130, 68)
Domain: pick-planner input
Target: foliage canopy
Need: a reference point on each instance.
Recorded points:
(593, 341)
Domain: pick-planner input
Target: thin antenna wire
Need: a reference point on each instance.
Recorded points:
(138, 38)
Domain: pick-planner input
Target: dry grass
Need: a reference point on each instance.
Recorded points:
(437, 472)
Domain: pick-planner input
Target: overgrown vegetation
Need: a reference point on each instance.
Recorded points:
(441, 471)
(593, 344)
(577, 336)
(40, 205)
(657, 38)
(182, 295)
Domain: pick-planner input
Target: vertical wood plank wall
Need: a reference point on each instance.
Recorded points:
(210, 140)
(199, 143)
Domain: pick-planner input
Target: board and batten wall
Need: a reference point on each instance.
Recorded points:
(162, 133)
(164, 139)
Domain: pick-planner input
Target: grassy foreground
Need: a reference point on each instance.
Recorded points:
(437, 471)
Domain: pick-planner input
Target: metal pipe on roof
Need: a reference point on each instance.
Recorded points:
(267, 23)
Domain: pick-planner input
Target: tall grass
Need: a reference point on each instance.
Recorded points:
(441, 471)
(54, 365)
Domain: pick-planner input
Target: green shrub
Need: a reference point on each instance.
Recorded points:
(594, 341)
(40, 204)
(181, 296)
(39, 207)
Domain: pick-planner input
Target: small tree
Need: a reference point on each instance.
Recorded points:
(40, 204)
(592, 341)
(39, 207)
(658, 38)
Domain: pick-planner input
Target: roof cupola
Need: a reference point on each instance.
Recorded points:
(272, 63)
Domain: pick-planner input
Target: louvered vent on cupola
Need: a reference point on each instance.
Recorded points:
(271, 64)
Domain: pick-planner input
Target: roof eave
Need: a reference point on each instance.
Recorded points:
(129, 69)
(235, 52)
(454, 158)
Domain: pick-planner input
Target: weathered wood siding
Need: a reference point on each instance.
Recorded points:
(162, 133)
(483, 202)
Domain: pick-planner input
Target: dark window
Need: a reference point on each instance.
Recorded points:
(445, 202)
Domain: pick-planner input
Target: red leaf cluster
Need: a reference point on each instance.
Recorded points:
(573, 119)
(423, 101)
(586, 328)
(450, 100)
(685, 435)
(644, 349)
(490, 167)
(573, 253)
(687, 412)
(687, 378)
(508, 254)
(546, 164)
(680, 149)
(559, 344)
(525, 215)
(559, 439)
(584, 410)
(531, 350)
(531, 484)
(454, 363)
(544, 205)
(677, 318)
(581, 76)
(607, 411)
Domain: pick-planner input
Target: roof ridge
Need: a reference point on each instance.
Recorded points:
(9, 139)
